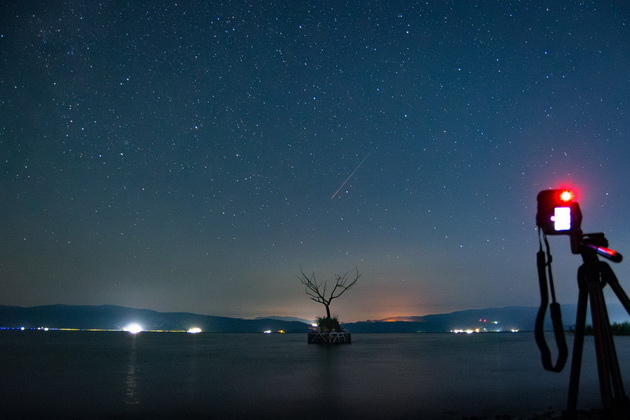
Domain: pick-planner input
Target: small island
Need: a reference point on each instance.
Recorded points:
(328, 330)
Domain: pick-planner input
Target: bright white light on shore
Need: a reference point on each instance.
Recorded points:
(133, 328)
(194, 330)
(267, 331)
(468, 331)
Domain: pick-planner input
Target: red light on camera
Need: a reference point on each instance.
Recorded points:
(566, 196)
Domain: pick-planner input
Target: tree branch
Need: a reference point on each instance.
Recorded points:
(317, 291)
(341, 283)
(311, 287)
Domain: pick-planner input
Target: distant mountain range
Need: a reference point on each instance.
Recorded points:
(111, 317)
(286, 318)
(509, 318)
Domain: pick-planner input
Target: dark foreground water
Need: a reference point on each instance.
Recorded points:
(160, 375)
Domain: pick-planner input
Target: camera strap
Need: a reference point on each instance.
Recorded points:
(543, 263)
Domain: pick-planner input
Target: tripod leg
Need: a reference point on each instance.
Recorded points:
(611, 279)
(614, 374)
(620, 400)
(578, 343)
(601, 332)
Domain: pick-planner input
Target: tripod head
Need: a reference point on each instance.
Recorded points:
(597, 242)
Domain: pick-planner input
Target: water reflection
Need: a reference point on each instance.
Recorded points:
(131, 380)
(328, 387)
(193, 365)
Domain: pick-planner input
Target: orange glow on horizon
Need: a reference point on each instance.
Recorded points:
(398, 319)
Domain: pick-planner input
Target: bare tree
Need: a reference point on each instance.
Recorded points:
(318, 291)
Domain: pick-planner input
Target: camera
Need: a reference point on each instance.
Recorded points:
(558, 214)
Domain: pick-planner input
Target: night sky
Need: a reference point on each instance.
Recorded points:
(191, 156)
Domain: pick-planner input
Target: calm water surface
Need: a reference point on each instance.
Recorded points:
(160, 375)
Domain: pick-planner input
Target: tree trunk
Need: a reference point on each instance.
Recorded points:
(327, 311)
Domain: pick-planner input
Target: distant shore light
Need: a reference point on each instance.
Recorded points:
(194, 330)
(133, 328)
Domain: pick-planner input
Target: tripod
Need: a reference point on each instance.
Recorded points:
(593, 276)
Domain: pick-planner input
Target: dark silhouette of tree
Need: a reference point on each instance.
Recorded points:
(320, 293)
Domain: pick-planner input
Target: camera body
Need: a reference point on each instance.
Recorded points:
(558, 214)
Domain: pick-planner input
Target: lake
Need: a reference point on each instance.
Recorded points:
(104, 374)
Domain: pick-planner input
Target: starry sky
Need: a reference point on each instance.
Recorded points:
(192, 156)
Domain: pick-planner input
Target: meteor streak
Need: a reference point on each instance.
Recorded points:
(350, 176)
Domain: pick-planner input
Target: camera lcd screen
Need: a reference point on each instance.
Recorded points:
(562, 218)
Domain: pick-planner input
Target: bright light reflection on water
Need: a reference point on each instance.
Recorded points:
(131, 380)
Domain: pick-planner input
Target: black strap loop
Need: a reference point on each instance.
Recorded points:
(544, 264)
